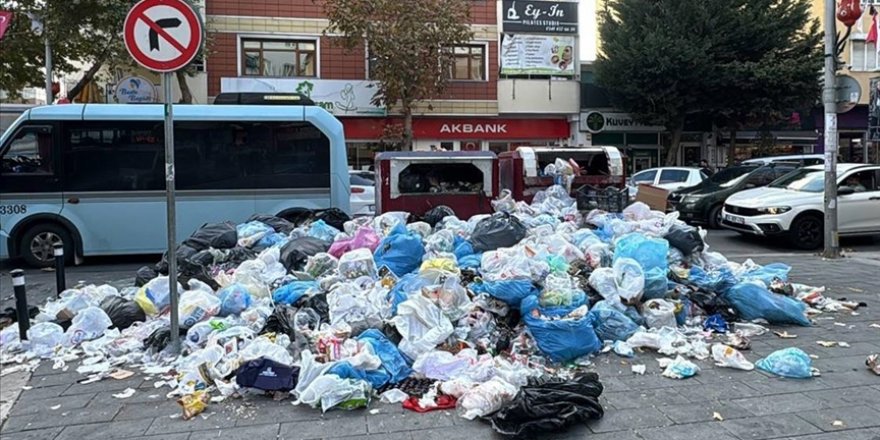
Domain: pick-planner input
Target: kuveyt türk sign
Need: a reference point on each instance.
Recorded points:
(541, 17)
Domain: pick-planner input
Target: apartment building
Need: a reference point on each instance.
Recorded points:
(514, 84)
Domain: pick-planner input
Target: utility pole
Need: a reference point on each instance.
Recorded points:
(832, 246)
(49, 97)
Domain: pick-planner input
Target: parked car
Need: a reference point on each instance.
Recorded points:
(703, 203)
(793, 205)
(799, 159)
(668, 178)
(363, 192)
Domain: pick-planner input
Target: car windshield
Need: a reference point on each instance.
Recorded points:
(730, 176)
(803, 179)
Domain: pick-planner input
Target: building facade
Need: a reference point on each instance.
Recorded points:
(494, 101)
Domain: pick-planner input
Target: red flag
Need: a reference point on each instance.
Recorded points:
(5, 22)
(872, 34)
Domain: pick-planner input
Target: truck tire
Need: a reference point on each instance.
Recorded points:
(37, 243)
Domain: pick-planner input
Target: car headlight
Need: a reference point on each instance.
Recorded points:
(773, 210)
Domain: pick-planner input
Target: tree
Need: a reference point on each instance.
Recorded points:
(410, 45)
(85, 35)
(741, 62)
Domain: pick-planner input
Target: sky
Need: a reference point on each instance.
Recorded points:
(587, 29)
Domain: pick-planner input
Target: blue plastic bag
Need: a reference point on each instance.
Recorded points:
(611, 324)
(752, 301)
(767, 273)
(511, 292)
(405, 286)
(462, 248)
(401, 252)
(291, 293)
(471, 261)
(250, 233)
(789, 362)
(716, 323)
(272, 239)
(345, 370)
(655, 284)
(393, 363)
(234, 299)
(561, 340)
(718, 281)
(322, 231)
(649, 252)
(583, 238)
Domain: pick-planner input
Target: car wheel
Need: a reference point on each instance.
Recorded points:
(807, 232)
(37, 245)
(714, 219)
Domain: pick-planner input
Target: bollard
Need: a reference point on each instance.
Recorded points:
(21, 307)
(60, 283)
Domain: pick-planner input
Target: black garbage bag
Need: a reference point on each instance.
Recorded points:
(296, 216)
(160, 338)
(144, 275)
(122, 312)
(183, 252)
(238, 255)
(686, 239)
(213, 235)
(295, 252)
(280, 321)
(713, 303)
(334, 217)
(318, 303)
(279, 224)
(550, 405)
(267, 375)
(437, 214)
(497, 231)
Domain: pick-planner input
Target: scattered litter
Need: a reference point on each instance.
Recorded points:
(785, 335)
(639, 369)
(681, 368)
(788, 362)
(827, 343)
(843, 344)
(193, 404)
(717, 416)
(121, 374)
(374, 411)
(840, 324)
(837, 423)
(873, 363)
(125, 394)
(55, 407)
(725, 356)
(394, 395)
(27, 387)
(875, 325)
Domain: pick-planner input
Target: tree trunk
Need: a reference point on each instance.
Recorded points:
(186, 96)
(731, 148)
(674, 145)
(407, 126)
(88, 76)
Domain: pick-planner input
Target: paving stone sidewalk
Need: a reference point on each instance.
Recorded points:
(753, 405)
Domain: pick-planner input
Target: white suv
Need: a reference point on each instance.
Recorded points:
(668, 178)
(793, 205)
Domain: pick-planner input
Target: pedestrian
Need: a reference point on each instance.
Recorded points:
(705, 168)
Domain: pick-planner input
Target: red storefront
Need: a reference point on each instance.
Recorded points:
(454, 134)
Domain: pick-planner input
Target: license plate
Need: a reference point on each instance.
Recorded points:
(734, 219)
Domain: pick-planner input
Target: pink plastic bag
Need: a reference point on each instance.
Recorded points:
(363, 238)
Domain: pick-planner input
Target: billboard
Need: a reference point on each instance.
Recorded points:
(540, 17)
(537, 55)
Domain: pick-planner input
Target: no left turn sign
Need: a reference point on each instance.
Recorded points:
(163, 35)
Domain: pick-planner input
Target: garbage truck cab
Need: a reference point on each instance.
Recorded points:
(417, 181)
(523, 171)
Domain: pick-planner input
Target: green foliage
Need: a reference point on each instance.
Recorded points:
(409, 41)
(741, 62)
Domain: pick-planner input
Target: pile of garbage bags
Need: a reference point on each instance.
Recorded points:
(496, 315)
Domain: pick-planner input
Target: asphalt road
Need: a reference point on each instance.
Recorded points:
(120, 271)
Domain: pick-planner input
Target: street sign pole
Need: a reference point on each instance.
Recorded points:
(832, 246)
(165, 36)
(171, 209)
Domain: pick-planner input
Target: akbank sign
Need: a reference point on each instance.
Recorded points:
(595, 121)
(339, 97)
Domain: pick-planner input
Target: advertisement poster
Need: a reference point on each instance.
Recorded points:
(136, 90)
(537, 55)
(337, 96)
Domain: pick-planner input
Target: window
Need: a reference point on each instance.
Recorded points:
(644, 177)
(114, 156)
(30, 152)
(761, 177)
(674, 176)
(251, 155)
(469, 63)
(279, 58)
(863, 55)
(357, 180)
(862, 181)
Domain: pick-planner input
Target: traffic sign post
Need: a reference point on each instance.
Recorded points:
(165, 36)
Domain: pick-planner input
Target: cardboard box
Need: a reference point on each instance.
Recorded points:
(652, 196)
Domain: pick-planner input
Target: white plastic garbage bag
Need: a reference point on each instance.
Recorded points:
(262, 347)
(309, 370)
(197, 306)
(726, 356)
(659, 313)
(44, 337)
(422, 325)
(88, 324)
(330, 390)
(155, 296)
(485, 398)
(443, 365)
(629, 278)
